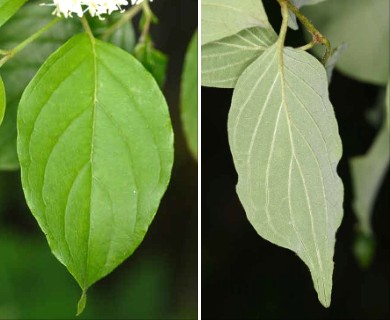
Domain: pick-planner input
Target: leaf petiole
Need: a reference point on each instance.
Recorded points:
(11, 53)
(86, 27)
(318, 37)
(126, 17)
(148, 20)
(307, 46)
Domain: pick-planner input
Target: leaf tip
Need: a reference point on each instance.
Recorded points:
(324, 291)
(82, 302)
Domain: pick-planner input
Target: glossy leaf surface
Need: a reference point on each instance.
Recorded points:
(8, 8)
(189, 96)
(19, 71)
(95, 145)
(2, 100)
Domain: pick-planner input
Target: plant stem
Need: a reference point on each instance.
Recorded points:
(307, 46)
(87, 28)
(11, 53)
(126, 17)
(148, 20)
(318, 37)
(283, 28)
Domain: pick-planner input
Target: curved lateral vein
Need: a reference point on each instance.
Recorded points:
(140, 114)
(238, 118)
(284, 101)
(321, 177)
(315, 124)
(306, 252)
(230, 66)
(267, 180)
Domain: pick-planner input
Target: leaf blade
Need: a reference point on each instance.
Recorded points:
(273, 108)
(18, 71)
(8, 8)
(2, 100)
(189, 96)
(222, 18)
(334, 18)
(224, 60)
(368, 172)
(95, 163)
(292, 19)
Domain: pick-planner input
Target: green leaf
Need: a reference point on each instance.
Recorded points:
(189, 96)
(95, 145)
(2, 100)
(292, 19)
(124, 37)
(285, 144)
(19, 71)
(8, 8)
(364, 249)
(368, 172)
(364, 26)
(224, 60)
(153, 60)
(223, 18)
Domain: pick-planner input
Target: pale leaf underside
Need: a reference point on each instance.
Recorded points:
(222, 18)
(224, 60)
(368, 172)
(285, 144)
(292, 19)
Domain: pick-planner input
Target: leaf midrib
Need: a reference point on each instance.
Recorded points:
(293, 155)
(94, 104)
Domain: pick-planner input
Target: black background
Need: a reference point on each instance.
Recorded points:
(247, 277)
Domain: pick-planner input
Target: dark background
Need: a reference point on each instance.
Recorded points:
(160, 280)
(247, 277)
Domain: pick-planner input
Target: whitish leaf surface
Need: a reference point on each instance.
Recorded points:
(189, 96)
(19, 71)
(285, 144)
(292, 19)
(368, 172)
(8, 8)
(222, 18)
(224, 60)
(367, 57)
(333, 59)
(2, 100)
(95, 146)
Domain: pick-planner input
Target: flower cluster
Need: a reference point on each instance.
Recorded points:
(94, 7)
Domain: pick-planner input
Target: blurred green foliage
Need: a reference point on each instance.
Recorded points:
(33, 285)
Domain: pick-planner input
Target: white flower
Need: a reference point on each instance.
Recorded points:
(94, 7)
(133, 2)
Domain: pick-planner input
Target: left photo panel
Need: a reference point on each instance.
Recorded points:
(98, 159)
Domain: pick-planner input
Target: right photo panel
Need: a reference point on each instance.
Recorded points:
(295, 157)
